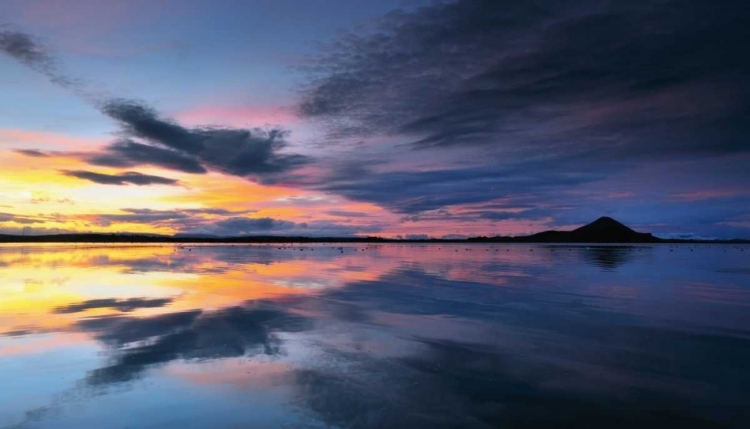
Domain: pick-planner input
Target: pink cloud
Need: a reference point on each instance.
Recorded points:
(625, 194)
(708, 194)
(245, 116)
(30, 139)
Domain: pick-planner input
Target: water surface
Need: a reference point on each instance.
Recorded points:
(374, 336)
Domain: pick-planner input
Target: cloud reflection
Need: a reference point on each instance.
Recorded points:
(392, 335)
(123, 305)
(609, 257)
(135, 344)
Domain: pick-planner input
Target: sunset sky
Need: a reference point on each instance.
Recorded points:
(390, 117)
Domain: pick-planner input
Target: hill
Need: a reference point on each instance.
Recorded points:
(603, 230)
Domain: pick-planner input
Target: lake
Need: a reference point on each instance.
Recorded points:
(374, 336)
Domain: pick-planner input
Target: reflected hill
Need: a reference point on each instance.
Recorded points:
(386, 336)
(608, 257)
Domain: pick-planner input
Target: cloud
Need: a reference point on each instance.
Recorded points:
(237, 115)
(249, 226)
(412, 192)
(126, 178)
(27, 220)
(27, 230)
(32, 152)
(515, 214)
(241, 152)
(207, 211)
(140, 343)
(223, 223)
(28, 51)
(305, 200)
(122, 305)
(128, 153)
(177, 219)
(21, 47)
(345, 213)
(628, 78)
(43, 197)
(241, 226)
(150, 139)
(25, 49)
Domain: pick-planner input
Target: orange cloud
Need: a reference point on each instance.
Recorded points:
(53, 276)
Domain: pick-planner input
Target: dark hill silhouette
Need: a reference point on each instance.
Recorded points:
(603, 230)
(604, 224)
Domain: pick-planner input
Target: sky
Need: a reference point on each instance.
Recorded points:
(408, 118)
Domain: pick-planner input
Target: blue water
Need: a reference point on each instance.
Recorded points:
(374, 336)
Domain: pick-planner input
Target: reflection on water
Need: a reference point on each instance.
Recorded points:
(610, 256)
(384, 336)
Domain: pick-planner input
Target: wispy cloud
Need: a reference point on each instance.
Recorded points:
(534, 98)
(150, 139)
(28, 50)
(413, 192)
(240, 226)
(519, 74)
(216, 222)
(345, 213)
(710, 194)
(126, 178)
(122, 305)
(32, 152)
(26, 220)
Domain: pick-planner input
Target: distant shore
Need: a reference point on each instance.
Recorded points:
(604, 230)
(124, 238)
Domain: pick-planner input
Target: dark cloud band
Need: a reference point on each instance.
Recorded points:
(638, 78)
(126, 178)
(253, 153)
(122, 305)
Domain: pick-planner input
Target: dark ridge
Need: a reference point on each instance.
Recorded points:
(607, 230)
(603, 230)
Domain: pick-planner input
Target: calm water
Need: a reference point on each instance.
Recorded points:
(378, 336)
